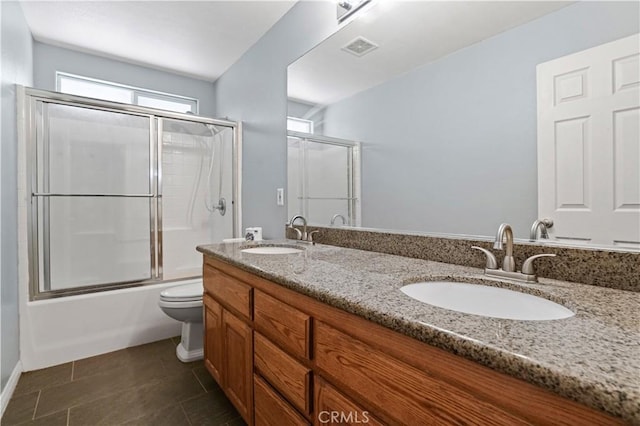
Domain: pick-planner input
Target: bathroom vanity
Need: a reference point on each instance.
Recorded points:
(325, 336)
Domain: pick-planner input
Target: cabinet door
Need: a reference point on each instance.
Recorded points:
(238, 364)
(213, 338)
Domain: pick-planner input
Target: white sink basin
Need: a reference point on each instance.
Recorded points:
(271, 250)
(486, 301)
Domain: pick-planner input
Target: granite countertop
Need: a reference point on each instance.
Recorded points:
(592, 357)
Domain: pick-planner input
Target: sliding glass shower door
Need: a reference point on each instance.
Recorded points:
(197, 192)
(94, 193)
(122, 195)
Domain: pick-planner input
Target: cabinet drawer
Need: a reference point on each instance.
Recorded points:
(332, 407)
(289, 377)
(230, 292)
(270, 409)
(283, 324)
(403, 392)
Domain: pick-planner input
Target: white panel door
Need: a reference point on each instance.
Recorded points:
(589, 144)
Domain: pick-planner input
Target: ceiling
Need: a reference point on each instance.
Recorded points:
(409, 34)
(201, 39)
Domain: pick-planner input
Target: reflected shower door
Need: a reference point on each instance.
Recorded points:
(196, 174)
(94, 196)
(295, 173)
(322, 179)
(328, 182)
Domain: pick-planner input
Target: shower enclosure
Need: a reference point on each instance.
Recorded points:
(122, 194)
(323, 175)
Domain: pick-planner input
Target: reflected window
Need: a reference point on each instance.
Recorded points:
(299, 125)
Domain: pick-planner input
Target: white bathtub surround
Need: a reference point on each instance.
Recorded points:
(60, 330)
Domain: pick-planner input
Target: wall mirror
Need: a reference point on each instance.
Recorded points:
(470, 114)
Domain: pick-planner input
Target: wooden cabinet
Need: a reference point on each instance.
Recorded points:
(233, 294)
(383, 381)
(289, 377)
(310, 363)
(283, 324)
(271, 409)
(332, 407)
(213, 337)
(238, 363)
(228, 345)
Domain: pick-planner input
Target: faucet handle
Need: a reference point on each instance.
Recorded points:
(310, 236)
(298, 232)
(527, 266)
(492, 263)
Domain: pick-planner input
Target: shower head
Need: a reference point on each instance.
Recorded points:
(194, 128)
(214, 129)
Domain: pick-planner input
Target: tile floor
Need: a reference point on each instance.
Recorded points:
(143, 385)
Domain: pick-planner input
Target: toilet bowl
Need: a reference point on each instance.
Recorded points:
(184, 303)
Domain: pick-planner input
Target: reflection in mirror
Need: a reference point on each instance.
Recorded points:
(471, 114)
(323, 178)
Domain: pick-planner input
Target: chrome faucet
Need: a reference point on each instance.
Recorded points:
(509, 263)
(508, 270)
(335, 216)
(544, 225)
(301, 235)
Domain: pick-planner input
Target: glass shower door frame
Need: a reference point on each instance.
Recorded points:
(353, 197)
(37, 101)
(41, 200)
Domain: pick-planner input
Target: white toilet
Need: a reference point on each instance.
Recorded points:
(184, 303)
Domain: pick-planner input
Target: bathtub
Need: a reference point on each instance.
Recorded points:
(56, 331)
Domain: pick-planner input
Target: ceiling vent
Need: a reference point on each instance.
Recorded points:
(360, 46)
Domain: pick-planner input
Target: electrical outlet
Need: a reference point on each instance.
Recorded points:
(280, 196)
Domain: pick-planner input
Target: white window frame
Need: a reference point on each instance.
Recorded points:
(135, 91)
(300, 121)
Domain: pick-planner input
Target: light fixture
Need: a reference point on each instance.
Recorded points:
(346, 8)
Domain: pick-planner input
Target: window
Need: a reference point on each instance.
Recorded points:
(114, 92)
(299, 125)
(163, 103)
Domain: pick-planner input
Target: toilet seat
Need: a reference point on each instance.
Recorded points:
(185, 294)
(180, 304)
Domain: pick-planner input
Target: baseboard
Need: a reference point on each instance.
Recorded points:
(10, 387)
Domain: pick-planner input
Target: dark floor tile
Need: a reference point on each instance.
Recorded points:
(170, 416)
(55, 419)
(136, 402)
(131, 357)
(238, 421)
(164, 349)
(173, 365)
(39, 379)
(210, 409)
(176, 340)
(205, 379)
(90, 388)
(21, 408)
